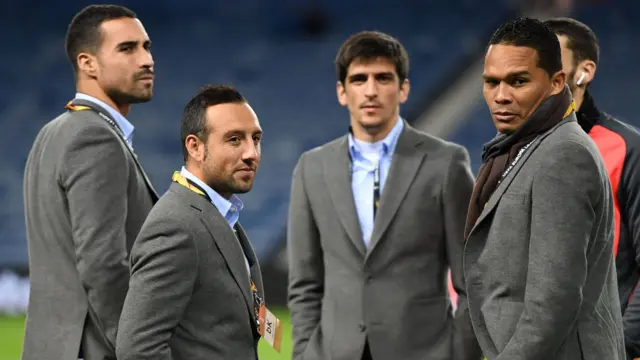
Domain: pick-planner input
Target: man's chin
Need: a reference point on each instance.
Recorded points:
(142, 98)
(242, 187)
(505, 128)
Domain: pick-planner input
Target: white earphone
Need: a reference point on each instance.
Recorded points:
(579, 82)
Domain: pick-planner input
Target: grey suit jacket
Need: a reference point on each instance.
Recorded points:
(190, 296)
(541, 281)
(395, 292)
(86, 197)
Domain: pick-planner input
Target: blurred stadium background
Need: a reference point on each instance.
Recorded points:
(279, 54)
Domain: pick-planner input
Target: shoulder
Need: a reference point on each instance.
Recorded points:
(80, 130)
(322, 151)
(568, 140)
(172, 210)
(436, 147)
(568, 156)
(80, 121)
(314, 158)
(171, 216)
(619, 133)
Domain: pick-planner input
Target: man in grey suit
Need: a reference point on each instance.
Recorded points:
(196, 286)
(539, 270)
(361, 288)
(86, 195)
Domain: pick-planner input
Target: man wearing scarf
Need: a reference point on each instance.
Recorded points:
(538, 259)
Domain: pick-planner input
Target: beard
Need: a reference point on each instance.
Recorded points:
(571, 82)
(136, 96)
(222, 183)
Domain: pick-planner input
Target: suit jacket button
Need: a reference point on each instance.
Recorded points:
(362, 327)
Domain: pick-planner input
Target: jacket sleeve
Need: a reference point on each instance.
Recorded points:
(306, 269)
(164, 267)
(629, 201)
(94, 176)
(565, 195)
(457, 193)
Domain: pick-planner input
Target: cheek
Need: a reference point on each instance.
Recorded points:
(116, 74)
(528, 99)
(488, 95)
(352, 100)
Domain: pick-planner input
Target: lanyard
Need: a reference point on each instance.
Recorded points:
(106, 118)
(518, 157)
(178, 178)
(376, 188)
(376, 184)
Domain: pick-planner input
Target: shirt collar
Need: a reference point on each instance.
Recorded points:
(124, 124)
(388, 143)
(223, 205)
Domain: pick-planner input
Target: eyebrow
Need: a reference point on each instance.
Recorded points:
(358, 76)
(134, 43)
(524, 73)
(241, 133)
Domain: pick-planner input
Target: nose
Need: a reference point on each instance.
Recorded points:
(503, 94)
(371, 88)
(251, 152)
(146, 59)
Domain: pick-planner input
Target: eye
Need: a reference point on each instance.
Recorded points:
(234, 140)
(257, 139)
(519, 81)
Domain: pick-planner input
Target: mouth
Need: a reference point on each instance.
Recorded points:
(371, 108)
(145, 76)
(246, 171)
(504, 116)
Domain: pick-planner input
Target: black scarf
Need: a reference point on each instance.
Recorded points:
(498, 153)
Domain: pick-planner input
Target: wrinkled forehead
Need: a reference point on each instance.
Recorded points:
(502, 61)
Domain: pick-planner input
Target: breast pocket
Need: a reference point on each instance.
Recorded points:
(424, 213)
(512, 211)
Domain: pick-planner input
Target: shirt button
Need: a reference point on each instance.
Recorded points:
(233, 209)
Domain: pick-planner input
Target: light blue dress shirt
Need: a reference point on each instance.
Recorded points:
(364, 158)
(124, 124)
(230, 209)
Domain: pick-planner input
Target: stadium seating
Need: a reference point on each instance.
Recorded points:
(286, 74)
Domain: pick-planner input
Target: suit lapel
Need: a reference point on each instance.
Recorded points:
(228, 244)
(338, 180)
(504, 185)
(407, 158)
(104, 113)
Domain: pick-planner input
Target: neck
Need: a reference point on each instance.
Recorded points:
(578, 97)
(372, 134)
(92, 89)
(197, 172)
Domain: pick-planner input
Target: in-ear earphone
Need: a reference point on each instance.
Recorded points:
(579, 82)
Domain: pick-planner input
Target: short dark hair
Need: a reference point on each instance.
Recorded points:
(532, 33)
(581, 39)
(83, 33)
(368, 45)
(194, 117)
